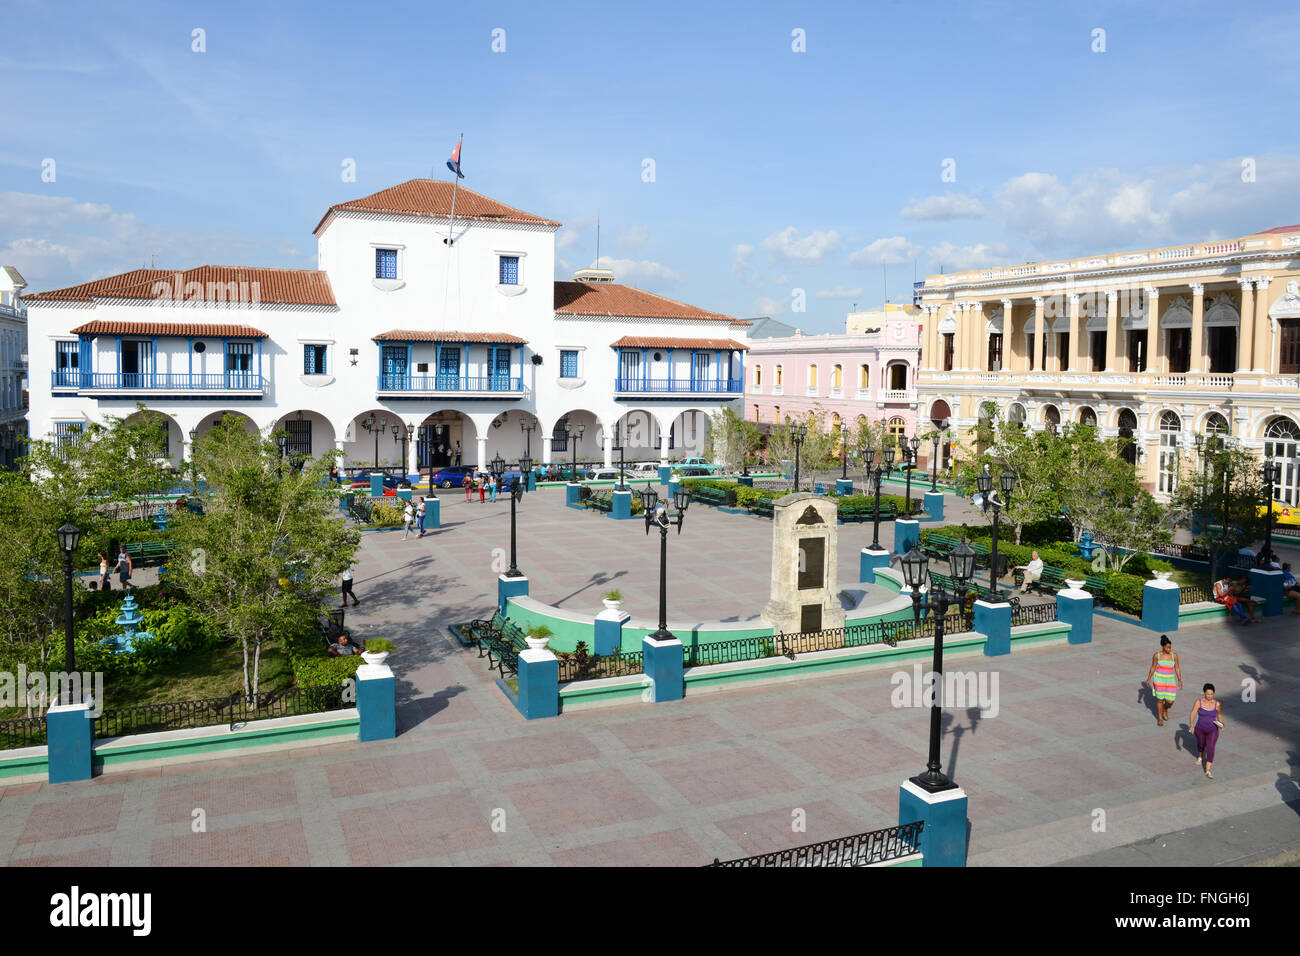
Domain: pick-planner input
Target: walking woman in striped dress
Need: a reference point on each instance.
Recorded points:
(1165, 678)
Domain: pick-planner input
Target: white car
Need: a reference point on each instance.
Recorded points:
(606, 474)
(644, 468)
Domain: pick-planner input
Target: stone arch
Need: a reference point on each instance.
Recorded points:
(1126, 426)
(940, 411)
(1282, 446)
(1086, 415)
(310, 433)
(177, 439)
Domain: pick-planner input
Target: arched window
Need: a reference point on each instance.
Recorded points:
(1167, 472)
(776, 414)
(837, 377)
(1052, 418)
(864, 376)
(756, 413)
(1282, 445)
(778, 377)
(898, 377)
(1128, 424)
(1216, 424)
(812, 378)
(1016, 415)
(835, 423)
(897, 430)
(1087, 417)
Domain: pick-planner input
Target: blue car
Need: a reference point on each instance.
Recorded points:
(362, 481)
(453, 476)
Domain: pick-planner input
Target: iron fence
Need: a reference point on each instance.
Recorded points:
(861, 849)
(22, 732)
(1034, 614)
(1194, 594)
(591, 667)
(209, 712)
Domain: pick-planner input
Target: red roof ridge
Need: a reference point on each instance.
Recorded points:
(424, 197)
(572, 292)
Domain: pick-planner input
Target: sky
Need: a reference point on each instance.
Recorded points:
(783, 159)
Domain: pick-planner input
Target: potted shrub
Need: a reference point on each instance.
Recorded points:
(613, 600)
(377, 650)
(537, 637)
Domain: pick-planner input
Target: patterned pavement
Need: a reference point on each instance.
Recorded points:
(721, 774)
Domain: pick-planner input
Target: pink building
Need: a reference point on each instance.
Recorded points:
(863, 376)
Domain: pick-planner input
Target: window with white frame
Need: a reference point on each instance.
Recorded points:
(568, 363)
(1167, 479)
(313, 360)
(385, 263)
(66, 434)
(508, 270)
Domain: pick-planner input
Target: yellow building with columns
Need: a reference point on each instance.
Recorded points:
(1158, 344)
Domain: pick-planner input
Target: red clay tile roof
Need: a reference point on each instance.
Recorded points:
(607, 298)
(430, 335)
(432, 197)
(1277, 229)
(214, 284)
(197, 330)
(657, 342)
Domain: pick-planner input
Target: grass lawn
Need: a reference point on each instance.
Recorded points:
(204, 674)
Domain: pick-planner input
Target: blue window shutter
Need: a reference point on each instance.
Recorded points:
(568, 364)
(308, 360)
(509, 273)
(385, 263)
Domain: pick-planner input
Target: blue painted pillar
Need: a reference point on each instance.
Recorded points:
(539, 683)
(343, 504)
(868, 561)
(665, 472)
(673, 485)
(404, 493)
(376, 702)
(907, 534)
(1160, 606)
(377, 485)
(432, 513)
(1267, 584)
(70, 735)
(532, 481)
(943, 839)
(508, 587)
(844, 486)
(622, 508)
(993, 623)
(573, 495)
(934, 505)
(662, 664)
(608, 637)
(746, 480)
(1075, 609)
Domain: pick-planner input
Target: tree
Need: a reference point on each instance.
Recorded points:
(730, 439)
(269, 544)
(1220, 496)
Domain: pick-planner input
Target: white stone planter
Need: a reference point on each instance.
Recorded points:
(611, 605)
(1074, 585)
(535, 643)
(1162, 575)
(375, 657)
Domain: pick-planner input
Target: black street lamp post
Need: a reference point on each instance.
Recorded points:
(69, 535)
(1007, 484)
(516, 492)
(1272, 475)
(528, 428)
(618, 440)
(798, 434)
(907, 495)
(934, 461)
(916, 572)
(844, 451)
(375, 428)
(569, 433)
(281, 442)
(403, 434)
(875, 480)
(656, 514)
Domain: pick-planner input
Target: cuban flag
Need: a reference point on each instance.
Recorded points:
(454, 163)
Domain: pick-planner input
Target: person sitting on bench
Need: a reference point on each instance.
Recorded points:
(344, 647)
(1033, 571)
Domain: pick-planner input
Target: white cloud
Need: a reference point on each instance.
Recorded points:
(639, 270)
(742, 267)
(894, 250)
(634, 238)
(951, 206)
(764, 305)
(955, 258)
(790, 247)
(839, 292)
(572, 233)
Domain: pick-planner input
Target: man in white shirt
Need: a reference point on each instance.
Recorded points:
(347, 588)
(1033, 571)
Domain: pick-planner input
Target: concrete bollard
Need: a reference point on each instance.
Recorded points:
(943, 838)
(70, 735)
(663, 665)
(907, 534)
(539, 684)
(508, 587)
(844, 486)
(1160, 606)
(993, 623)
(1074, 607)
(432, 513)
(622, 508)
(376, 702)
(1267, 584)
(868, 561)
(934, 505)
(608, 637)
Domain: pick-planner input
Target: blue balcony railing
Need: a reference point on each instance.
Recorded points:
(683, 386)
(450, 383)
(158, 381)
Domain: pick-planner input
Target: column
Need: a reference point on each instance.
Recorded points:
(1078, 335)
(609, 451)
(927, 341)
(413, 453)
(1265, 359)
(1246, 330)
(1040, 329)
(977, 336)
(935, 347)
(1112, 331)
(1155, 361)
(1197, 363)
(1008, 340)
(482, 452)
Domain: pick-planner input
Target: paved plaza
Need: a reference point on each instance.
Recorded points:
(722, 774)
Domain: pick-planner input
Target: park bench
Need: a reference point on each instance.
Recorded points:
(1052, 577)
(600, 501)
(762, 507)
(330, 626)
(361, 508)
(709, 496)
(940, 580)
(939, 544)
(1095, 584)
(854, 512)
(148, 552)
(499, 640)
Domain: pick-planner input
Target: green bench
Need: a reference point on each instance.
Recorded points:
(939, 544)
(858, 513)
(1095, 585)
(600, 502)
(763, 507)
(148, 552)
(1051, 577)
(709, 496)
(361, 508)
(499, 640)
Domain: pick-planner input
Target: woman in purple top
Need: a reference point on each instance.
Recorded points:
(1206, 722)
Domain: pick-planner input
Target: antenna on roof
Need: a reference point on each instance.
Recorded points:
(597, 238)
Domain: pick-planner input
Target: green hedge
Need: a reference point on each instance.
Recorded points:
(1124, 591)
(312, 665)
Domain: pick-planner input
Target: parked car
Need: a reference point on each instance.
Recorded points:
(1283, 513)
(606, 474)
(453, 476)
(362, 482)
(644, 468)
(708, 466)
(693, 471)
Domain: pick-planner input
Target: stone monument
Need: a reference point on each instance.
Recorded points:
(805, 565)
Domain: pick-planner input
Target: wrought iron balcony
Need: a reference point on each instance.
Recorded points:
(684, 386)
(157, 382)
(401, 384)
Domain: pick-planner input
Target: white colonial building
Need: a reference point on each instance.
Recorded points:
(13, 366)
(453, 327)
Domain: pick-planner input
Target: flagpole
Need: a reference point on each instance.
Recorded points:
(455, 184)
